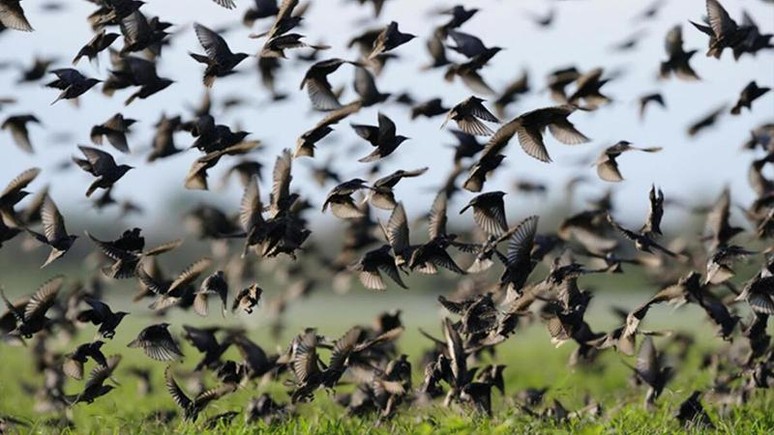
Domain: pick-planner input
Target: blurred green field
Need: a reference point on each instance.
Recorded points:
(532, 361)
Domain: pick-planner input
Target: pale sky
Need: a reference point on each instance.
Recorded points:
(582, 34)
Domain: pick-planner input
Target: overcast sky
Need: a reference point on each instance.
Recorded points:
(582, 35)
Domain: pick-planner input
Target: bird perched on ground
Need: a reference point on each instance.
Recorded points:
(468, 115)
(218, 57)
(607, 166)
(101, 165)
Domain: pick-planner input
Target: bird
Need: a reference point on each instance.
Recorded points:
(192, 407)
(389, 39)
(157, 343)
(101, 314)
(213, 284)
(678, 60)
(647, 100)
(218, 58)
(529, 128)
(383, 137)
(17, 125)
(750, 93)
(723, 31)
(340, 199)
(247, 298)
(101, 165)
(707, 121)
(72, 83)
(74, 361)
(99, 43)
(468, 114)
(381, 194)
(12, 16)
(607, 166)
(371, 266)
(318, 88)
(114, 129)
(54, 234)
(30, 318)
(489, 212)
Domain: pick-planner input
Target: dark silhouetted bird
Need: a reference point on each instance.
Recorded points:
(383, 137)
(72, 83)
(750, 93)
(101, 165)
(114, 129)
(219, 59)
(17, 125)
(389, 39)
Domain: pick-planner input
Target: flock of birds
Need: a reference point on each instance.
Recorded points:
(481, 313)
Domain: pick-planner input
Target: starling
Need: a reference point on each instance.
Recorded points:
(317, 86)
(142, 73)
(428, 109)
(17, 125)
(468, 45)
(73, 364)
(305, 144)
(389, 39)
(101, 314)
(642, 242)
(213, 284)
(365, 86)
(607, 166)
(247, 299)
(100, 42)
(54, 232)
(13, 193)
(219, 59)
(383, 137)
(31, 317)
(468, 115)
(529, 129)
(341, 202)
(157, 343)
(260, 9)
(163, 139)
(101, 165)
(370, 266)
(381, 194)
(723, 32)
(228, 4)
(95, 386)
(678, 60)
(72, 83)
(750, 93)
(12, 16)
(646, 100)
(692, 414)
(489, 212)
(114, 129)
(652, 224)
(707, 121)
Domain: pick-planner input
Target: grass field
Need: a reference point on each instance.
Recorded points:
(531, 362)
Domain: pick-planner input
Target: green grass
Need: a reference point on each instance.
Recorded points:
(532, 362)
